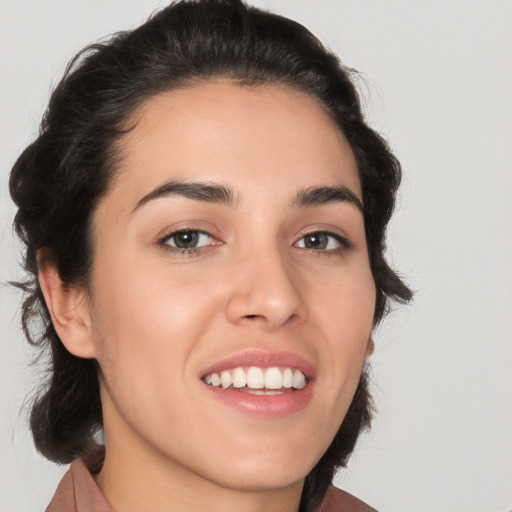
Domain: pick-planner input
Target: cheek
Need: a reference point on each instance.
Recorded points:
(150, 309)
(146, 323)
(145, 329)
(346, 307)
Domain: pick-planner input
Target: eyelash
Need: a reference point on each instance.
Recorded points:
(344, 243)
(163, 242)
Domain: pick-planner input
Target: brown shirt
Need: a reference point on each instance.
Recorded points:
(78, 492)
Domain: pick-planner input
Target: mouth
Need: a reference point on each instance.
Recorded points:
(256, 380)
(261, 383)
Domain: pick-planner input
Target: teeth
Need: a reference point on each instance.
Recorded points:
(287, 378)
(299, 381)
(273, 378)
(216, 380)
(226, 379)
(256, 378)
(239, 379)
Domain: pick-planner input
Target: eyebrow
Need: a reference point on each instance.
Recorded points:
(208, 192)
(220, 194)
(315, 196)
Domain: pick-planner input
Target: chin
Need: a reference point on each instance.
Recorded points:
(263, 481)
(264, 472)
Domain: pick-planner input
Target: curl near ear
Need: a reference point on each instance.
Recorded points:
(69, 309)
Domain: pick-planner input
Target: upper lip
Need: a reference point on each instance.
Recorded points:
(263, 359)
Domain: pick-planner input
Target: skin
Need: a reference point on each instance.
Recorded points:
(155, 318)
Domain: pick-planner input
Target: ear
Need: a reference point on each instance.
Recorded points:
(69, 310)
(369, 348)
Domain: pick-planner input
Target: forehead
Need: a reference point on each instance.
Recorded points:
(259, 136)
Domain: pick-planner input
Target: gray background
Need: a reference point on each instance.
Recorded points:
(437, 81)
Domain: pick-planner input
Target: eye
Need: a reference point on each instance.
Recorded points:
(323, 241)
(187, 240)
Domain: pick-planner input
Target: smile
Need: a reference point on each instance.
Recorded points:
(262, 383)
(256, 380)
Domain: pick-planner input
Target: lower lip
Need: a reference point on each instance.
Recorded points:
(273, 406)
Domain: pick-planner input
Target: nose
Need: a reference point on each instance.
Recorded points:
(265, 291)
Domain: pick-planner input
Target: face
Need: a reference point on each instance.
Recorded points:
(231, 297)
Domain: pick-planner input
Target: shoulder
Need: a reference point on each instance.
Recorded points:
(78, 492)
(337, 500)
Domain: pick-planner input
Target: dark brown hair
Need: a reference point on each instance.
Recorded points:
(58, 180)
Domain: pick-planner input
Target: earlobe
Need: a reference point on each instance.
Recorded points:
(369, 348)
(68, 308)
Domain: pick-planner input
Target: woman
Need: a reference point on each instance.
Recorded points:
(204, 215)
